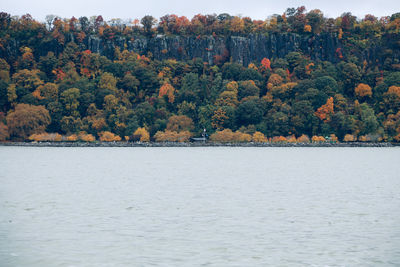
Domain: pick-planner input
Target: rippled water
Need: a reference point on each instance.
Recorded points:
(199, 206)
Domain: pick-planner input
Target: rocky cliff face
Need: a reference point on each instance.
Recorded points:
(240, 49)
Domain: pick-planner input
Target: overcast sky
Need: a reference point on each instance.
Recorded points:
(256, 9)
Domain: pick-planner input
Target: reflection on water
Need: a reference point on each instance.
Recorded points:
(199, 206)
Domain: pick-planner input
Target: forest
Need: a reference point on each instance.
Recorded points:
(294, 77)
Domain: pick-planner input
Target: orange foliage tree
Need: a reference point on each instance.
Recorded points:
(325, 111)
(227, 135)
(168, 90)
(318, 139)
(363, 90)
(218, 119)
(72, 138)
(42, 137)
(266, 63)
(349, 138)
(303, 139)
(394, 90)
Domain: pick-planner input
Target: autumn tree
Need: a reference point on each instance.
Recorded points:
(259, 137)
(363, 90)
(48, 91)
(219, 119)
(325, 111)
(4, 135)
(143, 134)
(180, 123)
(26, 120)
(167, 90)
(27, 79)
(107, 136)
(172, 136)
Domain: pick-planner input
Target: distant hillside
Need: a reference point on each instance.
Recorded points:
(295, 75)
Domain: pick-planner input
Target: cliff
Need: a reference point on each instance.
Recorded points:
(240, 49)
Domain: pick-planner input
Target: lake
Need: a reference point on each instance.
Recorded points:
(204, 206)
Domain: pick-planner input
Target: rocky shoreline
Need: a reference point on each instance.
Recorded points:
(194, 144)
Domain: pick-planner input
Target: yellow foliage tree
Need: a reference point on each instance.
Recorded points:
(274, 80)
(172, 136)
(279, 139)
(259, 137)
(46, 137)
(227, 135)
(179, 123)
(107, 136)
(143, 133)
(85, 137)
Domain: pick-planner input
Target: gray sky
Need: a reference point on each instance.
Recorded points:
(256, 9)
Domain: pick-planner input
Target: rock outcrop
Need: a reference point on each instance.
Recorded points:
(240, 49)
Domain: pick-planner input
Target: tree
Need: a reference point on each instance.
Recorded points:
(107, 136)
(3, 132)
(48, 91)
(180, 123)
(249, 112)
(369, 123)
(143, 134)
(108, 82)
(167, 90)
(303, 139)
(148, 22)
(172, 136)
(350, 75)
(259, 137)
(219, 119)
(27, 79)
(248, 88)
(26, 120)
(363, 90)
(325, 111)
(70, 100)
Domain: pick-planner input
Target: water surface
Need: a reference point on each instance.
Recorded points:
(205, 206)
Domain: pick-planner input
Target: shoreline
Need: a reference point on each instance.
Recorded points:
(192, 144)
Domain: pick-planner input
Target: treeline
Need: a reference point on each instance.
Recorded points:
(73, 94)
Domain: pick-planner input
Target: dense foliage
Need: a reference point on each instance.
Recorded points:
(53, 88)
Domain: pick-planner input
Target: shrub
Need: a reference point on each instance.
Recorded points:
(107, 136)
